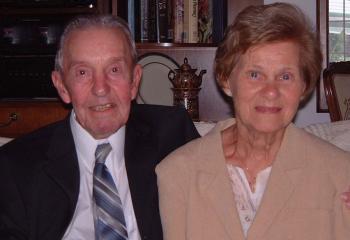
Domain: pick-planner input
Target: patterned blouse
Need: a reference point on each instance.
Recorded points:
(247, 202)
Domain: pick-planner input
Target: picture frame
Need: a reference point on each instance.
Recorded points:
(322, 33)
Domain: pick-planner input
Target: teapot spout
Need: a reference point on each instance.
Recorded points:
(201, 73)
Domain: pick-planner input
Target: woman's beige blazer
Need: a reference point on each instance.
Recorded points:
(301, 202)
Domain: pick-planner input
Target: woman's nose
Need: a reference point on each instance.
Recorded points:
(271, 90)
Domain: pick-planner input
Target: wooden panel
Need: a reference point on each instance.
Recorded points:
(30, 116)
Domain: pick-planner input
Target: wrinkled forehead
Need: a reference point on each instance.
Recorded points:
(97, 40)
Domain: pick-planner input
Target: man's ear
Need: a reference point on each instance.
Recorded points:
(57, 80)
(137, 74)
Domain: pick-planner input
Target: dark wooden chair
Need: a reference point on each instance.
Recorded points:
(337, 89)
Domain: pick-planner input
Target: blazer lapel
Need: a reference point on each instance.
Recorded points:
(140, 160)
(214, 183)
(285, 170)
(63, 165)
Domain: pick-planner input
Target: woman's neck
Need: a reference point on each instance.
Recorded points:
(249, 149)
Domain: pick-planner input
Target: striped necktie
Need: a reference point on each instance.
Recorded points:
(108, 212)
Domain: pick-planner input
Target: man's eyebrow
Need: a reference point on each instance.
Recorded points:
(118, 59)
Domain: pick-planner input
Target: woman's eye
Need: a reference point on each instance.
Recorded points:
(82, 72)
(285, 76)
(253, 75)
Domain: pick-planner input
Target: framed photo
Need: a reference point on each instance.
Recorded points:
(322, 30)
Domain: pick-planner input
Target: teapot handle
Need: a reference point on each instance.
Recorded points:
(171, 75)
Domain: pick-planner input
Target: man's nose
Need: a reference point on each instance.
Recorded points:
(100, 86)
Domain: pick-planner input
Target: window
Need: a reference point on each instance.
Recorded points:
(333, 20)
(338, 30)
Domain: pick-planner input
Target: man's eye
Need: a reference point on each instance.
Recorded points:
(115, 69)
(82, 72)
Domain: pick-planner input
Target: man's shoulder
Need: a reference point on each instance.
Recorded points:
(150, 112)
(38, 138)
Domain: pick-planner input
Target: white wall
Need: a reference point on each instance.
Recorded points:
(307, 114)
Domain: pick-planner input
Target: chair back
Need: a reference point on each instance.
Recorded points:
(337, 89)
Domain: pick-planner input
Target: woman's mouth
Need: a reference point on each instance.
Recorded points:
(263, 109)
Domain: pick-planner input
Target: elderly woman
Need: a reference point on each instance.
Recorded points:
(258, 176)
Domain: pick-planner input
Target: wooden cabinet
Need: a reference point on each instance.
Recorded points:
(28, 35)
(20, 117)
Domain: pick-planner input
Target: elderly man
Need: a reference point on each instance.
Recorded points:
(91, 176)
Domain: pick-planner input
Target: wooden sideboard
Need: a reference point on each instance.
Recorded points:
(21, 117)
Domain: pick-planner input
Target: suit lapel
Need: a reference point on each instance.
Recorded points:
(140, 160)
(63, 166)
(214, 183)
(285, 171)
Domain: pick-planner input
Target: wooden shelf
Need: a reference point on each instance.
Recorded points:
(101, 6)
(173, 45)
(47, 11)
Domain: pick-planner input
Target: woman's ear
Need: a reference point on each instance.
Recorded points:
(225, 86)
(57, 81)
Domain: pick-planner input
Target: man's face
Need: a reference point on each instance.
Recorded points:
(98, 79)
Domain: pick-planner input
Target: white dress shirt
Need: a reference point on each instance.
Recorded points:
(82, 224)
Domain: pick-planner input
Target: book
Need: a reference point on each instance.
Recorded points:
(130, 11)
(178, 20)
(164, 21)
(205, 21)
(219, 20)
(143, 21)
(153, 29)
(190, 24)
(170, 21)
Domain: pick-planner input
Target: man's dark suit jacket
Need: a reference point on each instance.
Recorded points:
(39, 173)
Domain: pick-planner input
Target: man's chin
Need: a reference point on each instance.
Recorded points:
(104, 131)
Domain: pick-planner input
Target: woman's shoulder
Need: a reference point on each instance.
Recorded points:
(198, 151)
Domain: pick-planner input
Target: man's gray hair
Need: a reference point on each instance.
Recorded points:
(86, 22)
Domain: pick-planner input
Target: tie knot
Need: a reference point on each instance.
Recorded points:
(102, 152)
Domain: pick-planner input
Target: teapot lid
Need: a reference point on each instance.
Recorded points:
(185, 67)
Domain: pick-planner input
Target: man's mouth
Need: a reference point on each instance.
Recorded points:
(101, 108)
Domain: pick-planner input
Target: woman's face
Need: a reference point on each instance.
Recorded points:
(267, 86)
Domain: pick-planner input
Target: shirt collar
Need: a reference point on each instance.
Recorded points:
(86, 144)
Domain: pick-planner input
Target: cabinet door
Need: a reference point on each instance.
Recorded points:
(18, 118)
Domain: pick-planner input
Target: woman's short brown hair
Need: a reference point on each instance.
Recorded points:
(265, 24)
